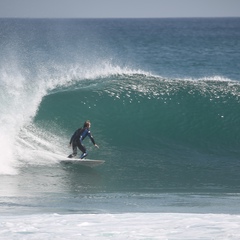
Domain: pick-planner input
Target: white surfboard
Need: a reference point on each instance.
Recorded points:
(84, 162)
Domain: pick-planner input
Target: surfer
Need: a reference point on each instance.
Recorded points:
(78, 137)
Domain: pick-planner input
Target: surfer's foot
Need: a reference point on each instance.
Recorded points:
(71, 155)
(83, 155)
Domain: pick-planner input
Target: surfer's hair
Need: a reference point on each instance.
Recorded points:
(87, 124)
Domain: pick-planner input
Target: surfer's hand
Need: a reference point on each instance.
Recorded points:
(96, 146)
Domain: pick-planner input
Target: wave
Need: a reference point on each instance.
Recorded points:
(134, 108)
(198, 113)
(22, 92)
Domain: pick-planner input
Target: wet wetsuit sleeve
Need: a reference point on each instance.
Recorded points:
(91, 137)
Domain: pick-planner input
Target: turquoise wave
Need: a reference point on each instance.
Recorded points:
(157, 133)
(139, 110)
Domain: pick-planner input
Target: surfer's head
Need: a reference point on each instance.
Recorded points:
(87, 124)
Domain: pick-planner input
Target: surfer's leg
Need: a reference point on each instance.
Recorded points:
(74, 148)
(84, 155)
(83, 149)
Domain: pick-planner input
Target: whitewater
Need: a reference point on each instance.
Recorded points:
(163, 98)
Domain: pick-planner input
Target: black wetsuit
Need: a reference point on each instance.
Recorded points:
(78, 137)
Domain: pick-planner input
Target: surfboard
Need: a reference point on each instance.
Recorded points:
(84, 162)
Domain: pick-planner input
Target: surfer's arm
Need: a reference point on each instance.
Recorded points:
(92, 139)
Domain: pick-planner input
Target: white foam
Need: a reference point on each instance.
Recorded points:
(14, 113)
(121, 226)
(209, 78)
(20, 98)
(21, 92)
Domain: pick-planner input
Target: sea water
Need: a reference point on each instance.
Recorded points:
(163, 98)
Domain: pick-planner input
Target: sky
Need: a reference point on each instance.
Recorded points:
(118, 8)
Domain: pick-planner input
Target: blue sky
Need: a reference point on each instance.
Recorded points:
(119, 8)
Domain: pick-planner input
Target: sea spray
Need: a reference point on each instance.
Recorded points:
(19, 103)
(22, 90)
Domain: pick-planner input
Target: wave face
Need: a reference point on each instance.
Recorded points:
(157, 131)
(167, 132)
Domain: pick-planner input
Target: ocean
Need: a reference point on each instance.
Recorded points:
(163, 99)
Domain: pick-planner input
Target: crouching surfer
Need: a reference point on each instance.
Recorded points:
(77, 139)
